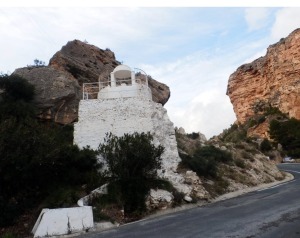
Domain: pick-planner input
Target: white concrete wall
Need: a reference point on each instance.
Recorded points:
(128, 115)
(135, 90)
(63, 221)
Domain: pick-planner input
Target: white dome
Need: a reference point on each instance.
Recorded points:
(122, 71)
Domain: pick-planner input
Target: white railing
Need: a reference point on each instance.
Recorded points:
(91, 90)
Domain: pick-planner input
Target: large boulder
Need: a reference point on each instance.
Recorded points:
(59, 85)
(84, 62)
(88, 63)
(57, 93)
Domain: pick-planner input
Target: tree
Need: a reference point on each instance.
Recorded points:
(16, 88)
(38, 63)
(265, 145)
(36, 159)
(287, 133)
(132, 162)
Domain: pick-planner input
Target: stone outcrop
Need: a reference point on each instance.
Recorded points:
(59, 85)
(57, 93)
(87, 63)
(84, 62)
(270, 80)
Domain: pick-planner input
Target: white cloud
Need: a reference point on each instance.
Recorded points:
(287, 20)
(256, 18)
(193, 51)
(198, 85)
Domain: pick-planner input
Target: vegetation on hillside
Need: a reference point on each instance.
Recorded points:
(205, 161)
(39, 165)
(287, 133)
(282, 129)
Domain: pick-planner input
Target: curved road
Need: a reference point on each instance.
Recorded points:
(272, 213)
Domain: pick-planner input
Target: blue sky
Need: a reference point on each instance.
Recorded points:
(191, 49)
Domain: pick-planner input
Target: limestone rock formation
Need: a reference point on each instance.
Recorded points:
(59, 85)
(159, 199)
(270, 80)
(84, 62)
(87, 62)
(57, 93)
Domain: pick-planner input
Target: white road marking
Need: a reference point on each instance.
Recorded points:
(276, 185)
(297, 172)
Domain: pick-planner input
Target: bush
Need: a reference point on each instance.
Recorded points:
(178, 198)
(234, 134)
(36, 158)
(9, 235)
(287, 133)
(213, 152)
(240, 163)
(205, 160)
(132, 162)
(265, 145)
(16, 88)
(193, 135)
(273, 111)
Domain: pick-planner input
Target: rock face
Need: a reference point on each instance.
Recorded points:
(270, 80)
(84, 62)
(59, 85)
(57, 93)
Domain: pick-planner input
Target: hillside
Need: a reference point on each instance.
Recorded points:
(37, 144)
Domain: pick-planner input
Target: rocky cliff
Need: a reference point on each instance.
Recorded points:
(271, 80)
(59, 85)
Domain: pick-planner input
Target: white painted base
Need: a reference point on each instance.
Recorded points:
(97, 117)
(63, 221)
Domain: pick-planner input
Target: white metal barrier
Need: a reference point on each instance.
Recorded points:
(120, 88)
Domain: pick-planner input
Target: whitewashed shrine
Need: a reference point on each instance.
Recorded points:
(123, 104)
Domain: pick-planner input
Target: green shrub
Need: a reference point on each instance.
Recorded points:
(178, 198)
(265, 145)
(36, 158)
(16, 88)
(193, 135)
(213, 152)
(240, 163)
(287, 133)
(234, 134)
(132, 162)
(273, 111)
(261, 119)
(9, 235)
(205, 160)
(247, 155)
(221, 186)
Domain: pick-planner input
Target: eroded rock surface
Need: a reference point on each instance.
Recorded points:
(57, 93)
(270, 80)
(87, 62)
(59, 85)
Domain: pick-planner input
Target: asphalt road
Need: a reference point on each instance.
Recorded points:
(268, 213)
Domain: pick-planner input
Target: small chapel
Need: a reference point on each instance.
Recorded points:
(121, 84)
(123, 104)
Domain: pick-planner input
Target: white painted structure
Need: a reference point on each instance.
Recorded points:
(122, 83)
(127, 111)
(63, 221)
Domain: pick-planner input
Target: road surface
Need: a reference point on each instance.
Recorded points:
(268, 213)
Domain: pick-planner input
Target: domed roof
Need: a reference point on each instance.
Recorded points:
(122, 71)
